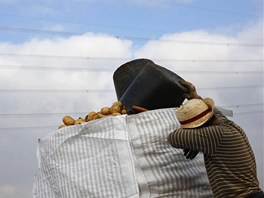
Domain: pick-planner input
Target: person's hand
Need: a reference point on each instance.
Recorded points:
(191, 90)
(190, 154)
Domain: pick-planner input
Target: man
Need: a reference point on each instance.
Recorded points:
(229, 159)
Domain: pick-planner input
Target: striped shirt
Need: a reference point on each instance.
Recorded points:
(229, 159)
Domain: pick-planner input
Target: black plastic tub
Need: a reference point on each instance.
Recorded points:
(143, 83)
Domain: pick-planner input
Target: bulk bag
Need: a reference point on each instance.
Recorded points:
(119, 157)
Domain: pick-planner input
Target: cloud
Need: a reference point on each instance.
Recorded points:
(89, 51)
(209, 51)
(198, 50)
(185, 53)
(198, 44)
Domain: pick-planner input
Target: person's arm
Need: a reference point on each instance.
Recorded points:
(205, 139)
(192, 94)
(191, 149)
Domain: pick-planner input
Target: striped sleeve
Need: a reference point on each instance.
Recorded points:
(205, 139)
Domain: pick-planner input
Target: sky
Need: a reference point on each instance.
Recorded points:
(57, 58)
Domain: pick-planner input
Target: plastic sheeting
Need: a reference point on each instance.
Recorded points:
(122, 156)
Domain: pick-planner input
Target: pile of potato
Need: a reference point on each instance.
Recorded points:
(116, 109)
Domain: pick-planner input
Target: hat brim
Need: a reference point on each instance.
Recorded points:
(210, 103)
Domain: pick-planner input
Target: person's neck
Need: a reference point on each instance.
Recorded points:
(214, 121)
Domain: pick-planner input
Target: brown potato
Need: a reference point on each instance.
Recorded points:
(116, 109)
(116, 114)
(95, 116)
(100, 115)
(79, 121)
(68, 120)
(90, 116)
(92, 113)
(62, 126)
(118, 103)
(106, 110)
(123, 111)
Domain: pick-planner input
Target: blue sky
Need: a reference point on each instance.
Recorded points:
(52, 52)
(130, 18)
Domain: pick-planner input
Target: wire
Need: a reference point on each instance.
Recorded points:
(220, 72)
(40, 114)
(84, 113)
(248, 112)
(129, 27)
(54, 91)
(56, 127)
(81, 69)
(216, 10)
(87, 24)
(235, 87)
(27, 127)
(207, 9)
(106, 90)
(76, 69)
(122, 58)
(243, 105)
(39, 31)
(63, 56)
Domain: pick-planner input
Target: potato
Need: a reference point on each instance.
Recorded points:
(116, 108)
(117, 103)
(61, 126)
(100, 115)
(90, 116)
(95, 116)
(106, 110)
(124, 111)
(79, 121)
(68, 120)
(92, 113)
(116, 114)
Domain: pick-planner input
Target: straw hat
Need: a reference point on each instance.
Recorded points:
(195, 112)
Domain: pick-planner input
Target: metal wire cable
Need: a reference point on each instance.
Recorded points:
(238, 106)
(41, 31)
(107, 90)
(105, 69)
(128, 58)
(56, 127)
